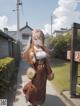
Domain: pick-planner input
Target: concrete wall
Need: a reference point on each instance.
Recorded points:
(4, 48)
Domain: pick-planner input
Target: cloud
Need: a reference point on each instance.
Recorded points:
(12, 27)
(65, 14)
(4, 23)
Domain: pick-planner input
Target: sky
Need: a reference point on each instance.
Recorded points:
(38, 14)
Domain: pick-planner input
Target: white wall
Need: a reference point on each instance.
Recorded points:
(24, 41)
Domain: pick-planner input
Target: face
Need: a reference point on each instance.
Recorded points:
(37, 39)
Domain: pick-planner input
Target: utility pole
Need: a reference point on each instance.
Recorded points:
(17, 19)
(18, 23)
(51, 23)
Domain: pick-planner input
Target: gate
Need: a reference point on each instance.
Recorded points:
(74, 56)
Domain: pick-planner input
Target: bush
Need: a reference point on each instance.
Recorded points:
(4, 62)
(7, 70)
(60, 45)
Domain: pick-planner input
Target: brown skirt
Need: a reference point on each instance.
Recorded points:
(34, 95)
(35, 91)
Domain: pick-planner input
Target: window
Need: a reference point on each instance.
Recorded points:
(25, 36)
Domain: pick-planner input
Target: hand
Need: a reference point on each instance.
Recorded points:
(51, 76)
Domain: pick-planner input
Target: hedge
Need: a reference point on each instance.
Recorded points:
(7, 70)
(61, 44)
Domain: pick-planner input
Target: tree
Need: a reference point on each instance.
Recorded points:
(60, 45)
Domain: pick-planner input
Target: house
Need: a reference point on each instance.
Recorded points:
(9, 47)
(5, 44)
(62, 31)
(57, 32)
(25, 34)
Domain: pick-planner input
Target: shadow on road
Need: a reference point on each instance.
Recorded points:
(22, 71)
(52, 100)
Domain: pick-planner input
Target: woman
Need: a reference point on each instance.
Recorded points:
(36, 55)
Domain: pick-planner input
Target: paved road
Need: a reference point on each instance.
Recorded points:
(52, 96)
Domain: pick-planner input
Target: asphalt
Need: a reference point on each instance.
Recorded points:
(53, 97)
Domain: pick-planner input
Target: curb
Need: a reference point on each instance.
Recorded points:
(68, 100)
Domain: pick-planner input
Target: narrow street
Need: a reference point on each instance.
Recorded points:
(53, 97)
(35, 30)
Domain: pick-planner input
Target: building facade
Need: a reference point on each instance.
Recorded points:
(25, 34)
(62, 31)
(6, 45)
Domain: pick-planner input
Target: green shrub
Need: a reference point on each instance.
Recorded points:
(4, 62)
(60, 44)
(7, 69)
